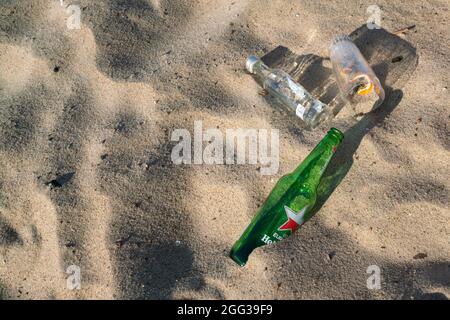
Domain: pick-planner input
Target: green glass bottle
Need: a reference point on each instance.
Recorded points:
(290, 202)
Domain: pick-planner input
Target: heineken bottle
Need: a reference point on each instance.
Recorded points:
(290, 202)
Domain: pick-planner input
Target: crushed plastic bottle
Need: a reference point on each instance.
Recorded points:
(289, 93)
(355, 78)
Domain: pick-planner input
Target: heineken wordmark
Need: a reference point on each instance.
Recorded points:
(290, 202)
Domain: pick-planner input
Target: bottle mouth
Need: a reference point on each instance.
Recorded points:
(250, 63)
(337, 134)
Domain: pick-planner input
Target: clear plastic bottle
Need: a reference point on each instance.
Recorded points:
(355, 78)
(290, 93)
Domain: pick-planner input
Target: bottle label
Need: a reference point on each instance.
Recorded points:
(288, 226)
(300, 111)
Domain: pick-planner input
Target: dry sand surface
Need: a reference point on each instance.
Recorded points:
(86, 176)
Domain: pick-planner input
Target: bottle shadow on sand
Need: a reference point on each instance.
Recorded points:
(342, 161)
(395, 64)
(393, 60)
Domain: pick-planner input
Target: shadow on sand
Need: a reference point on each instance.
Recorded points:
(393, 60)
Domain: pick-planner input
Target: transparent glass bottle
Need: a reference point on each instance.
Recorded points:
(289, 93)
(355, 78)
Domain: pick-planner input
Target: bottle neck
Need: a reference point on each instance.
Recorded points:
(317, 161)
(261, 70)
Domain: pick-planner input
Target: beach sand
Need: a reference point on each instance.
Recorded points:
(87, 180)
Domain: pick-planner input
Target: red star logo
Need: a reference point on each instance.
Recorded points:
(295, 219)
